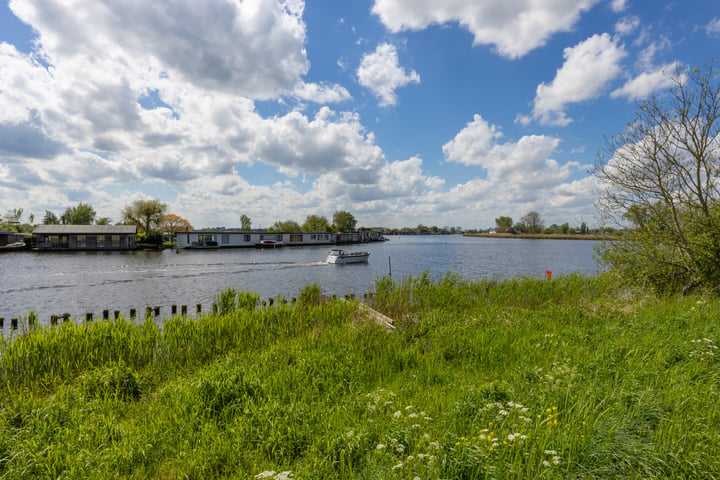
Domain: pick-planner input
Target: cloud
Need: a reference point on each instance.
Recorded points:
(713, 27)
(513, 27)
(520, 170)
(627, 25)
(182, 38)
(380, 72)
(589, 66)
(646, 83)
(618, 6)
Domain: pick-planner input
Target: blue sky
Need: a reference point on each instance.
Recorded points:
(440, 112)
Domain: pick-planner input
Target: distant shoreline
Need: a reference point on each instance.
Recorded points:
(543, 236)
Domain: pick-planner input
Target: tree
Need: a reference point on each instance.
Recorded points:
(504, 222)
(82, 214)
(316, 223)
(145, 214)
(171, 223)
(103, 221)
(50, 218)
(343, 221)
(245, 223)
(532, 223)
(289, 226)
(661, 175)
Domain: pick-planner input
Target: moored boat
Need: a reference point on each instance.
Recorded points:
(268, 244)
(341, 256)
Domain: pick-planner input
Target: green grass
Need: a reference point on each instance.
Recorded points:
(576, 377)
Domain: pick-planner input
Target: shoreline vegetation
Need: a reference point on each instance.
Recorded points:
(574, 377)
(546, 236)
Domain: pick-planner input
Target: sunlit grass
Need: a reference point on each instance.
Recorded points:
(574, 377)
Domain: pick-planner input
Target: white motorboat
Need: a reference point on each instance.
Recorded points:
(341, 256)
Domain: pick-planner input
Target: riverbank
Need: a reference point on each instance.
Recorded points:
(544, 236)
(564, 378)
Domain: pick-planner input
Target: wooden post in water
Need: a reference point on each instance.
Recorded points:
(2, 322)
(389, 267)
(183, 310)
(106, 314)
(214, 308)
(53, 319)
(157, 311)
(14, 323)
(66, 317)
(148, 312)
(88, 317)
(117, 314)
(173, 309)
(198, 308)
(270, 302)
(132, 314)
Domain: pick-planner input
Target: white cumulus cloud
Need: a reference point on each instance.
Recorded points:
(645, 83)
(589, 67)
(513, 27)
(381, 72)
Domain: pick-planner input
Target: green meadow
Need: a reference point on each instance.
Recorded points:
(573, 377)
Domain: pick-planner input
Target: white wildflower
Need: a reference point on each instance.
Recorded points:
(398, 465)
(380, 446)
(556, 460)
(265, 474)
(397, 414)
(550, 452)
(413, 415)
(546, 463)
(283, 476)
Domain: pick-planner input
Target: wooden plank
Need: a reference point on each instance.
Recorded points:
(376, 316)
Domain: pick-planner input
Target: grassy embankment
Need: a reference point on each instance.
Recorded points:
(569, 378)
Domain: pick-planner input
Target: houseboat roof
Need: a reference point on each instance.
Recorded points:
(85, 229)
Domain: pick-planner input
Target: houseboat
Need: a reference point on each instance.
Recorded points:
(85, 237)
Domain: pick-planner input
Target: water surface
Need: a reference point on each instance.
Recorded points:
(80, 282)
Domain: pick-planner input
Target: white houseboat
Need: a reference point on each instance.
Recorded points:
(237, 239)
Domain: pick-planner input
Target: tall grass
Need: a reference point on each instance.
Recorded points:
(575, 377)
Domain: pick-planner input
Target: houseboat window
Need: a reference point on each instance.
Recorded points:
(116, 240)
(246, 238)
(225, 238)
(296, 238)
(54, 239)
(327, 237)
(313, 237)
(81, 241)
(101, 241)
(278, 238)
(262, 237)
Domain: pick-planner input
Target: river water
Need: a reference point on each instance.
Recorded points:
(89, 282)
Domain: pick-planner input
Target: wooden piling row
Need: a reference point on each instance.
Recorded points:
(150, 312)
